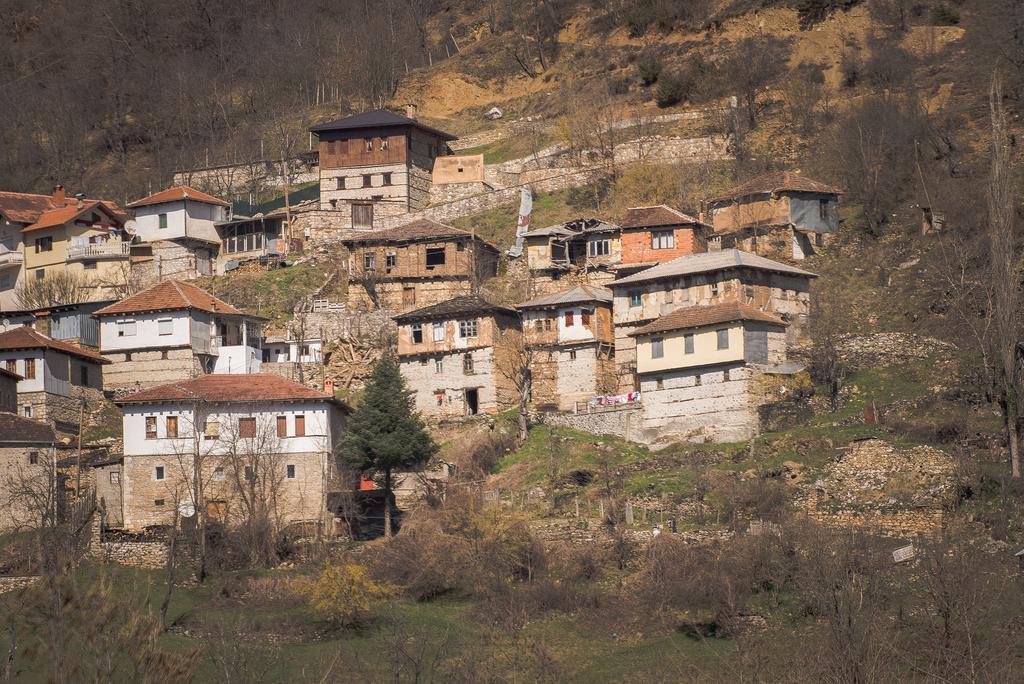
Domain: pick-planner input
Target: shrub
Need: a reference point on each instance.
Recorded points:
(944, 15)
(671, 90)
(649, 67)
(343, 594)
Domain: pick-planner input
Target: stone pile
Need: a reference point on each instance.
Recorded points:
(888, 349)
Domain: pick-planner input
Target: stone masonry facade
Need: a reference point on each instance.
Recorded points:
(133, 371)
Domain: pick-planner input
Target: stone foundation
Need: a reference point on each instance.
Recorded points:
(132, 371)
(63, 412)
(623, 422)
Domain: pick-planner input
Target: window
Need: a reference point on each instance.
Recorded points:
(387, 178)
(362, 216)
(570, 319)
(585, 316)
(44, 244)
(547, 324)
(26, 411)
(435, 256)
(246, 428)
(408, 295)
(663, 239)
(714, 289)
(218, 474)
(83, 376)
(688, 343)
(657, 347)
(341, 183)
(635, 298)
(572, 354)
(670, 296)
(248, 237)
(289, 471)
(126, 328)
(282, 426)
(300, 426)
(438, 365)
(725, 375)
(468, 328)
(40, 273)
(163, 220)
(115, 477)
(158, 473)
(467, 364)
(249, 474)
(90, 265)
(367, 180)
(384, 146)
(437, 332)
(539, 325)
(723, 338)
(369, 262)
(368, 145)
(172, 426)
(158, 502)
(659, 383)
(33, 459)
(417, 333)
(597, 248)
(823, 209)
(390, 261)
(11, 365)
(211, 429)
(150, 427)
(165, 326)
(30, 369)
(460, 246)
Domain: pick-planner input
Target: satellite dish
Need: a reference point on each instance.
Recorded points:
(187, 509)
(131, 228)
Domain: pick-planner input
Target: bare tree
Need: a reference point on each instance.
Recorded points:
(514, 360)
(1006, 267)
(62, 286)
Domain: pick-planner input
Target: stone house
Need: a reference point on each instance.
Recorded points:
(256, 440)
(585, 250)
(28, 451)
(702, 279)
(457, 356)
(657, 234)
(377, 164)
(56, 377)
(695, 368)
(174, 331)
(41, 235)
(781, 215)
(572, 349)
(419, 264)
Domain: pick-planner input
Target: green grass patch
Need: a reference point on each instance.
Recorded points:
(499, 224)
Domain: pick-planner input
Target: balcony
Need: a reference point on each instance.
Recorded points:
(10, 258)
(112, 249)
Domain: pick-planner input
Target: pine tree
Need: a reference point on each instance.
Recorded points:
(384, 434)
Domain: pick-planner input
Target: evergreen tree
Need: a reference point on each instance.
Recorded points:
(384, 433)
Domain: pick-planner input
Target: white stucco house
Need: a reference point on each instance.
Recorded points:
(175, 331)
(265, 434)
(286, 350)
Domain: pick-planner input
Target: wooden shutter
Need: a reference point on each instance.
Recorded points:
(282, 426)
(300, 426)
(246, 428)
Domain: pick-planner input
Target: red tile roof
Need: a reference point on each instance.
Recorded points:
(659, 215)
(700, 316)
(778, 181)
(229, 389)
(27, 338)
(177, 194)
(169, 295)
(58, 217)
(27, 208)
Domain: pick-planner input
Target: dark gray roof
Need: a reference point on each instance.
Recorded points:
(378, 118)
(575, 227)
(580, 293)
(17, 430)
(707, 262)
(460, 306)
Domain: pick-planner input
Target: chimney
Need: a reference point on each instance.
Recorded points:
(410, 110)
(329, 386)
(58, 194)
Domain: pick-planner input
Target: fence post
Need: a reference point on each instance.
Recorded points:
(577, 506)
(629, 513)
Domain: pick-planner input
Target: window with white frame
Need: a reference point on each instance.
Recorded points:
(437, 331)
(688, 343)
(468, 328)
(417, 333)
(165, 326)
(438, 365)
(126, 328)
(158, 473)
(596, 248)
(723, 338)
(289, 471)
(663, 239)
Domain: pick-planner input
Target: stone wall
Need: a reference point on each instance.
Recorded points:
(172, 260)
(138, 370)
(902, 524)
(443, 375)
(312, 374)
(621, 422)
(63, 412)
(9, 584)
(148, 554)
